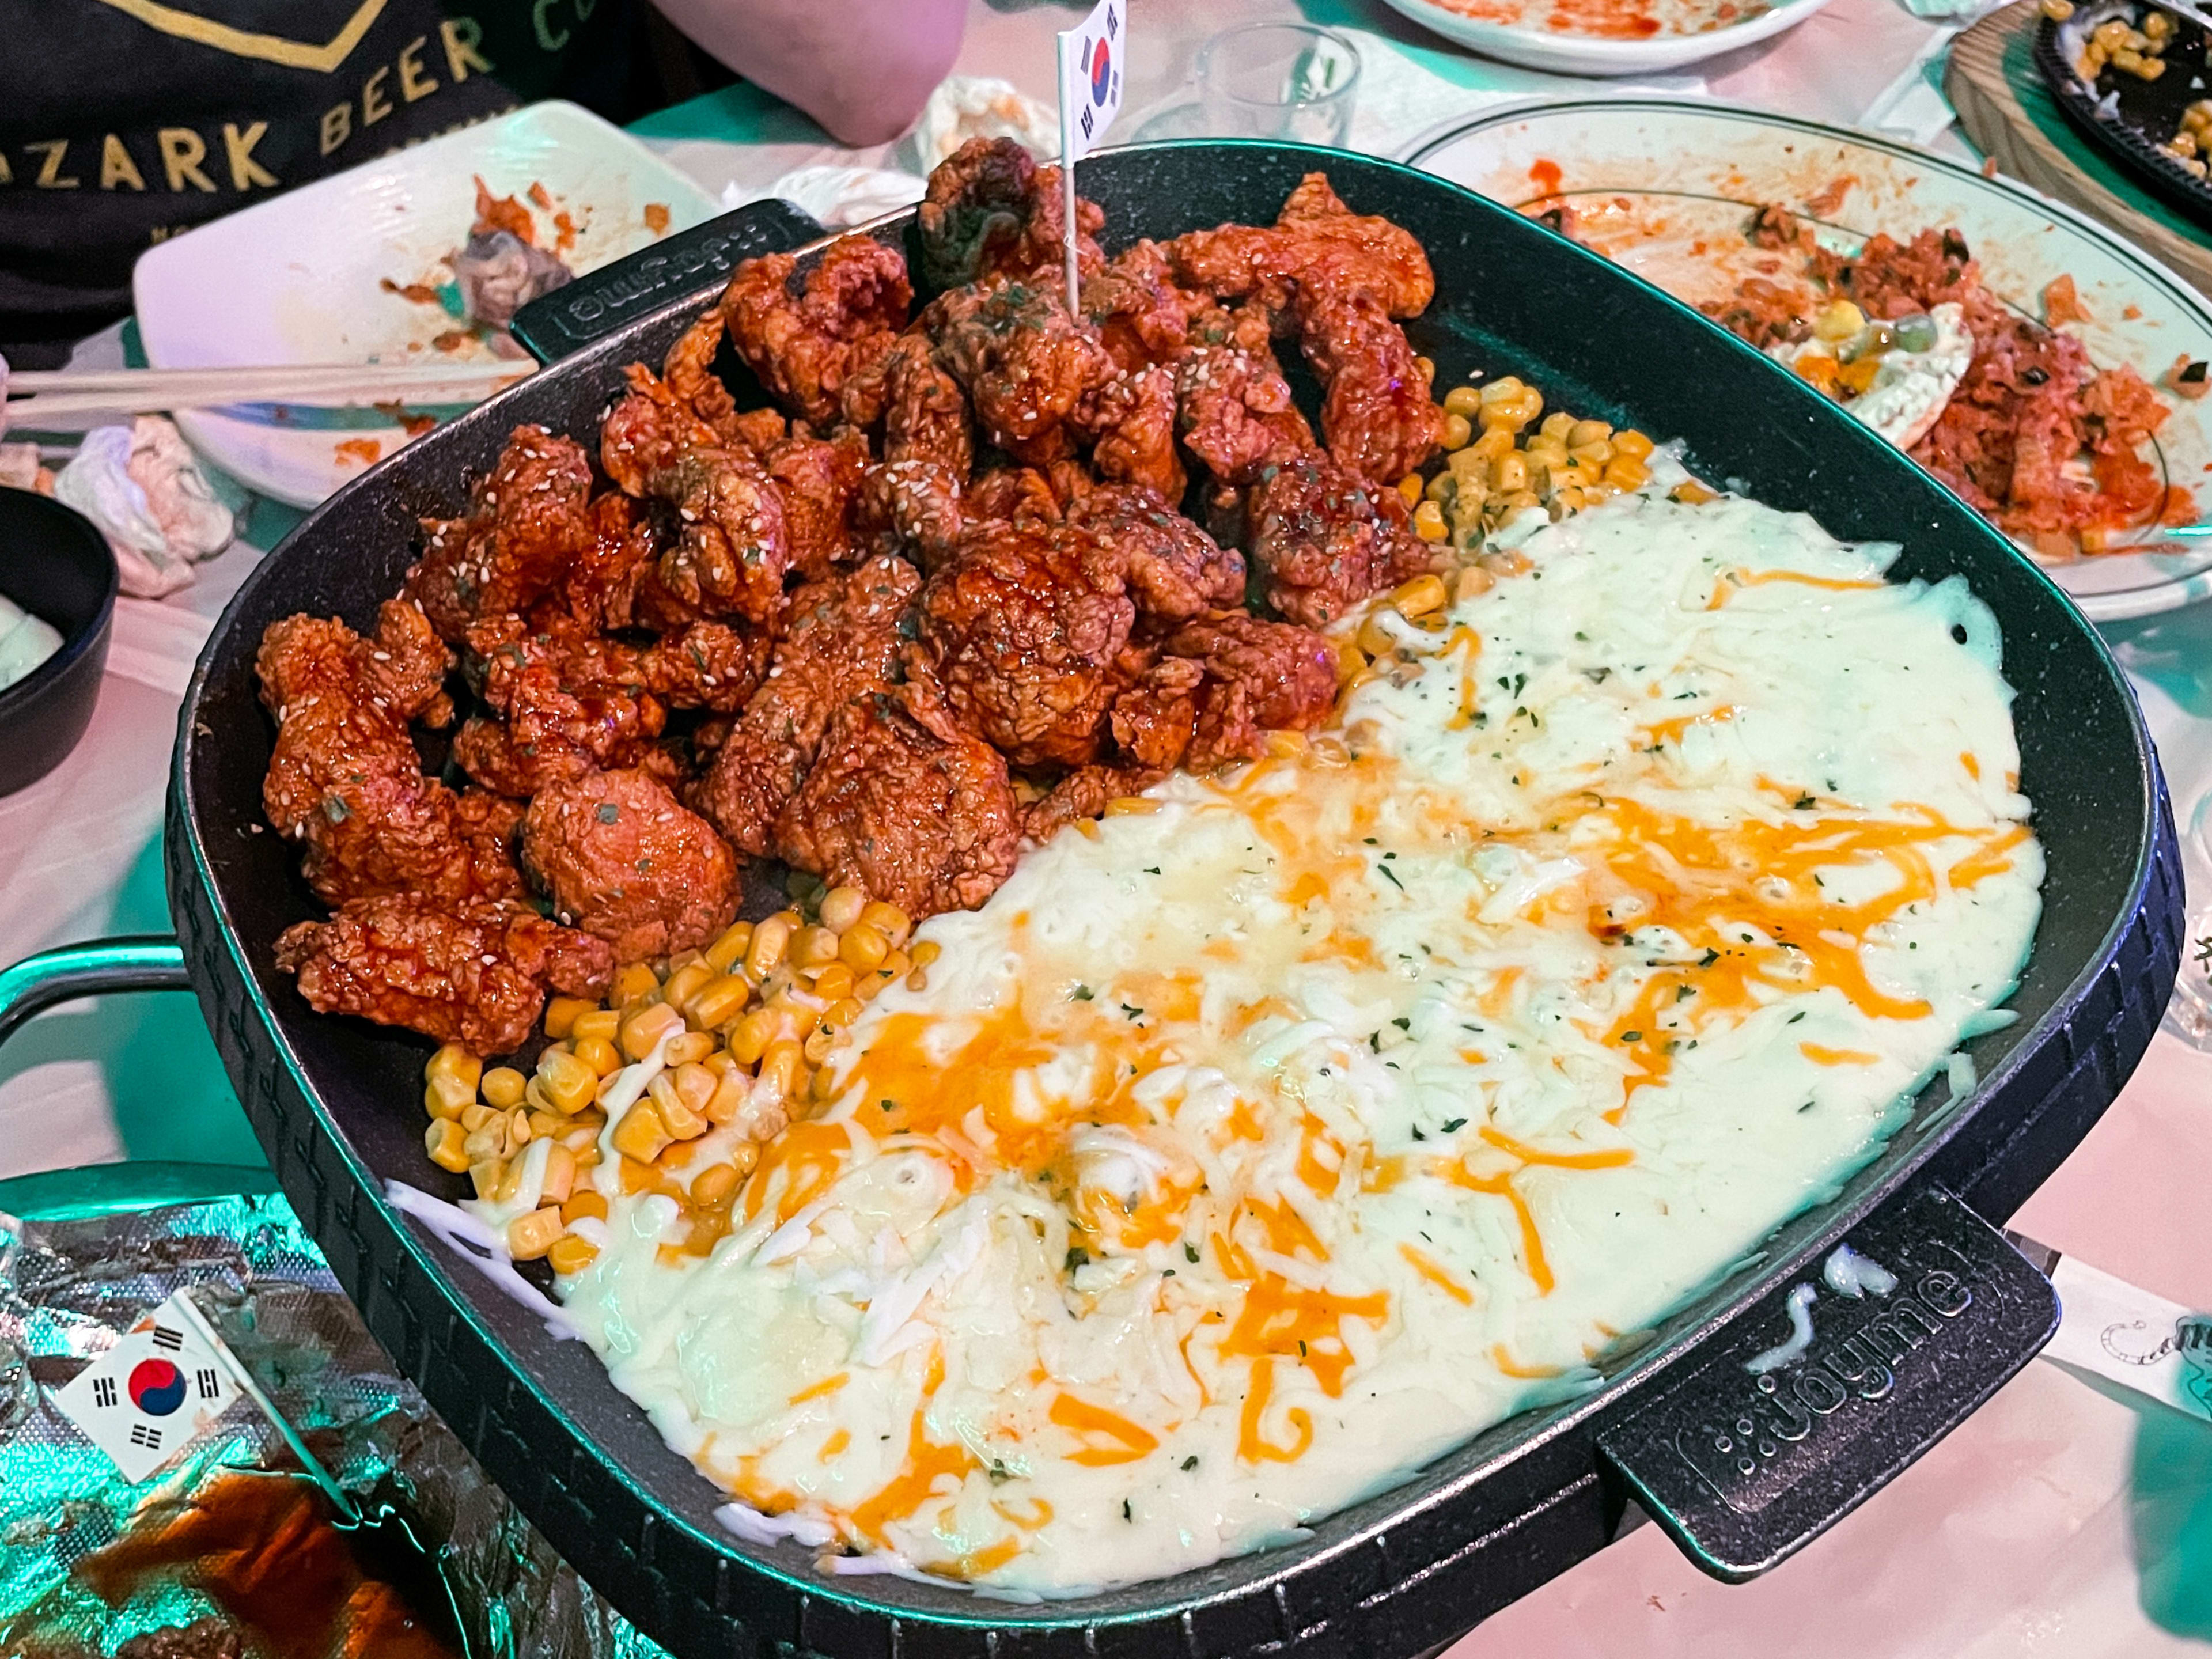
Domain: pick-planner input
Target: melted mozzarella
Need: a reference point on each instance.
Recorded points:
(1910, 389)
(1244, 1155)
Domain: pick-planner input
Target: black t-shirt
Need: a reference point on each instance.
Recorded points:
(124, 122)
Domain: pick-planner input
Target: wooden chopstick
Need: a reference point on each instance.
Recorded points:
(61, 392)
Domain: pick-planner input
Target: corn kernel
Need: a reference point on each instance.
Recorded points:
(646, 1028)
(1429, 522)
(474, 1118)
(1375, 637)
(1409, 488)
(834, 983)
(730, 947)
(779, 1069)
(842, 906)
(1416, 598)
(813, 947)
(890, 920)
(863, 947)
(440, 1105)
(1633, 444)
(749, 1037)
(730, 1088)
(568, 1082)
(1427, 367)
(677, 1115)
(1512, 474)
(895, 964)
(637, 980)
(816, 1048)
(571, 1254)
(485, 1175)
(561, 1014)
(770, 938)
(721, 1000)
(1130, 806)
(1443, 488)
(529, 1236)
(928, 951)
(1471, 581)
(714, 1186)
(1503, 389)
(641, 1134)
(544, 1123)
(582, 1202)
(794, 1020)
(560, 1176)
(1558, 425)
(520, 1133)
(454, 1063)
(502, 1087)
(1626, 472)
(601, 1055)
(1463, 401)
(443, 1139)
(489, 1142)
(600, 1023)
(683, 983)
(1592, 455)
(689, 1048)
(838, 1015)
(1691, 493)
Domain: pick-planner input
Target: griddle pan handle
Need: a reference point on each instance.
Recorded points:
(688, 265)
(1744, 1467)
(139, 962)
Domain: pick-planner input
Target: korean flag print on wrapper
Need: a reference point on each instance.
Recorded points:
(1090, 78)
(151, 1394)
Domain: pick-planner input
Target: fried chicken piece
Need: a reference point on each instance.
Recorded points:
(1235, 413)
(599, 589)
(1176, 571)
(648, 430)
(526, 524)
(850, 306)
(1259, 676)
(571, 703)
(991, 213)
(470, 971)
(904, 804)
(344, 779)
(1143, 315)
(621, 858)
(1024, 361)
(688, 372)
(818, 478)
(1132, 419)
(913, 508)
(1323, 541)
(1317, 247)
(729, 556)
(1022, 631)
(1020, 494)
(1082, 793)
(840, 642)
(1376, 412)
(925, 411)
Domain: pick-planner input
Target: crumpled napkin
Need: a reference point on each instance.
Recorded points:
(966, 107)
(837, 197)
(143, 486)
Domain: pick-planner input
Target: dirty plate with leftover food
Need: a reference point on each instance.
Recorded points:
(361, 267)
(1671, 191)
(1607, 37)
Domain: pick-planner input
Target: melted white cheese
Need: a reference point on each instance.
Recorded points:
(1245, 1155)
(1910, 389)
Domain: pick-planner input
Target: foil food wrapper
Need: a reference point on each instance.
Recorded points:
(231, 1531)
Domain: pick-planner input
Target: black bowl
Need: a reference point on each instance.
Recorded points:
(56, 565)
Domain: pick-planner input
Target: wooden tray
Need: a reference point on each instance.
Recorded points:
(2009, 114)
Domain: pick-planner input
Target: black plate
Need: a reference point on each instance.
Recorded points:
(2149, 111)
(337, 1102)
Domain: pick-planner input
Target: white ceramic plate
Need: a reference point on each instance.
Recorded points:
(299, 278)
(1514, 31)
(1662, 186)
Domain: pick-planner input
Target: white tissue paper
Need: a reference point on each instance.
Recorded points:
(966, 107)
(837, 197)
(141, 485)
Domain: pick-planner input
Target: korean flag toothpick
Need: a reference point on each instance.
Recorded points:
(1091, 59)
(152, 1393)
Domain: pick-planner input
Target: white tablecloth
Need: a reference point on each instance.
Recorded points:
(2058, 1521)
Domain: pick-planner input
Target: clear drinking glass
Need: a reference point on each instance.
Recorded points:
(1291, 80)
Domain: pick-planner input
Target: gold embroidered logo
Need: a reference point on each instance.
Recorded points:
(246, 43)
